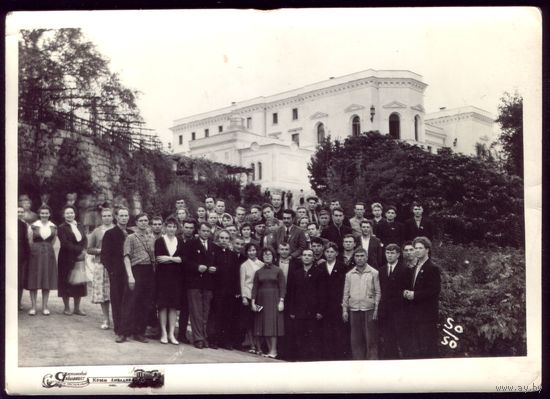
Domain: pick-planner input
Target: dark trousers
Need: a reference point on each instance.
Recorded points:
(199, 310)
(222, 326)
(118, 286)
(137, 302)
(284, 343)
(306, 345)
(183, 320)
(424, 340)
(334, 338)
(390, 337)
(152, 318)
(364, 335)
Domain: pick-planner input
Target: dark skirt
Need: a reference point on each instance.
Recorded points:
(65, 265)
(169, 289)
(42, 267)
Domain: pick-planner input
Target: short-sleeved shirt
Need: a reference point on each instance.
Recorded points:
(139, 247)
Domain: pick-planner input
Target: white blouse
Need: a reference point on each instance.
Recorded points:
(44, 229)
(171, 244)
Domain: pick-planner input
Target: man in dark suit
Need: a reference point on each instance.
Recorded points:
(336, 231)
(422, 303)
(225, 305)
(277, 203)
(318, 247)
(112, 257)
(390, 311)
(187, 234)
(23, 253)
(371, 244)
(418, 225)
(312, 214)
(334, 332)
(304, 308)
(389, 231)
(291, 234)
(201, 267)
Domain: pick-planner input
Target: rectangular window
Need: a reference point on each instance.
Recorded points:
(206, 133)
(193, 135)
(294, 114)
(249, 122)
(220, 128)
(296, 138)
(181, 139)
(275, 118)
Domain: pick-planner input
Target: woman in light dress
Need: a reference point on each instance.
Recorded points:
(100, 282)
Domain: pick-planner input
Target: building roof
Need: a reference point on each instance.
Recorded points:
(333, 81)
(469, 109)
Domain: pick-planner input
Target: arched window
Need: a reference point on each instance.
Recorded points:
(259, 171)
(252, 166)
(355, 126)
(394, 126)
(320, 133)
(416, 127)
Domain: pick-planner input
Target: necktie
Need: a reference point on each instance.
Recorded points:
(205, 244)
(287, 234)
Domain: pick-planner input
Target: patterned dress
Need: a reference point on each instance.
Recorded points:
(100, 283)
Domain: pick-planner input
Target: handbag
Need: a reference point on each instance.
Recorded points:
(78, 274)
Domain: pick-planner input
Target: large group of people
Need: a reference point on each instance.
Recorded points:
(300, 284)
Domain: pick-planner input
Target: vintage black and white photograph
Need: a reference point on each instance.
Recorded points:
(320, 200)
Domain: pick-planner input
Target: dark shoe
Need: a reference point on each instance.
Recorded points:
(140, 338)
(183, 340)
(199, 345)
(213, 345)
(229, 347)
(120, 339)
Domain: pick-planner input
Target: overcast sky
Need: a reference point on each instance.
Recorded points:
(187, 62)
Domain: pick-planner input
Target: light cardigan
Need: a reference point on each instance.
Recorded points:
(248, 269)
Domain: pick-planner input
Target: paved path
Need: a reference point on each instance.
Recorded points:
(60, 340)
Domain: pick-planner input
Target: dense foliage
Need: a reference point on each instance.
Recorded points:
(468, 198)
(483, 291)
(510, 118)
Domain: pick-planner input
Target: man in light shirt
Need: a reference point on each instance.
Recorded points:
(355, 222)
(360, 306)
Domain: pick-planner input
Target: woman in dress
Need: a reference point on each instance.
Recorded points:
(169, 256)
(42, 271)
(73, 249)
(100, 283)
(268, 291)
(247, 271)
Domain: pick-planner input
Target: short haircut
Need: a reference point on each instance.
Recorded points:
(359, 250)
(238, 237)
(407, 243)
(120, 208)
(424, 241)
(245, 225)
(367, 221)
(259, 223)
(250, 245)
(316, 240)
(348, 236)
(284, 244)
(335, 200)
(220, 200)
(180, 199)
(258, 207)
(158, 217)
(103, 209)
(416, 203)
(208, 225)
(169, 220)
(360, 204)
(307, 249)
(314, 224)
(209, 197)
(290, 212)
(302, 207)
(324, 212)
(376, 205)
(142, 214)
(333, 246)
(189, 221)
(264, 206)
(302, 218)
(43, 207)
(393, 247)
(338, 209)
(391, 207)
(68, 207)
(240, 207)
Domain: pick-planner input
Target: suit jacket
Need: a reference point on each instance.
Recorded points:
(304, 291)
(197, 255)
(336, 235)
(112, 250)
(375, 252)
(425, 229)
(227, 277)
(425, 305)
(297, 240)
(392, 286)
(23, 246)
(332, 290)
(390, 233)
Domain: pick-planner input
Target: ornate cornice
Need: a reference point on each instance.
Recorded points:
(394, 104)
(353, 108)
(318, 115)
(418, 107)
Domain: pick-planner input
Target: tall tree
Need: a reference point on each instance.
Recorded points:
(510, 118)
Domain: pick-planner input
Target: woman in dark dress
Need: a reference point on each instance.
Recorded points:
(169, 256)
(269, 291)
(73, 248)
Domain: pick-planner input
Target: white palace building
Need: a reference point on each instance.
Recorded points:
(276, 135)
